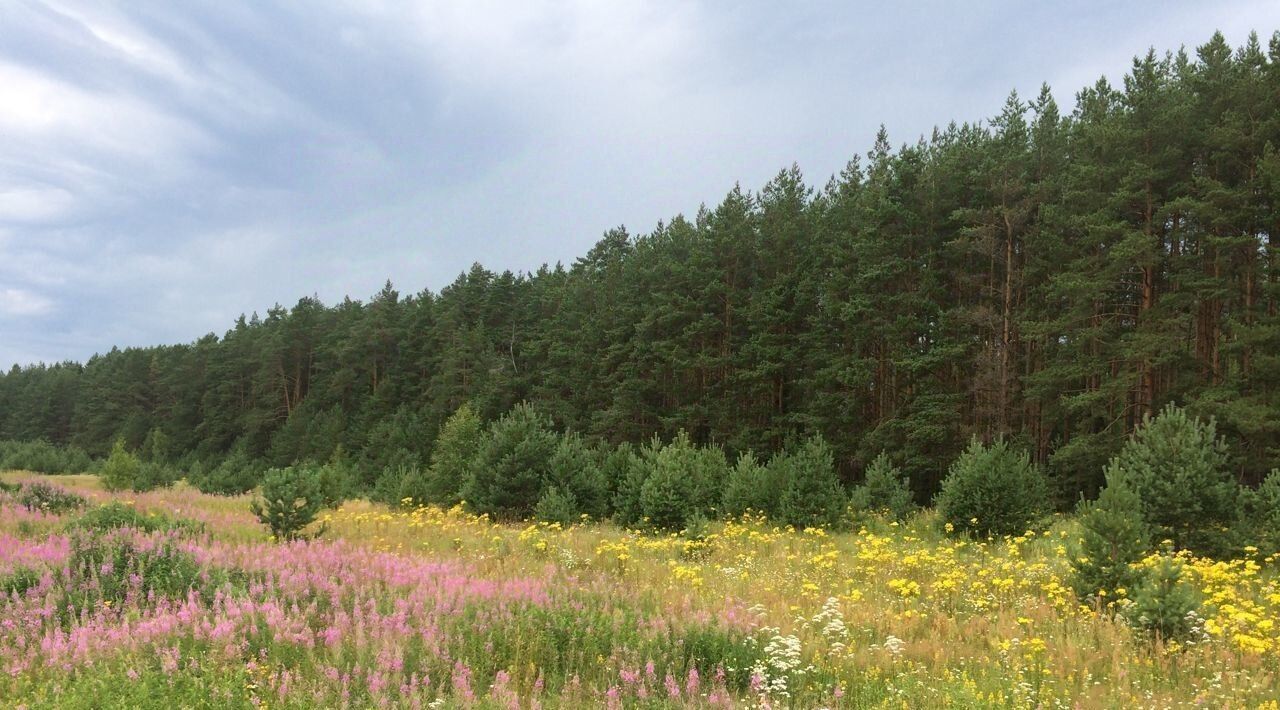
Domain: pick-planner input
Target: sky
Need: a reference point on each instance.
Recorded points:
(165, 167)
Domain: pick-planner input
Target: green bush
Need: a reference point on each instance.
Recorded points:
(812, 495)
(1179, 468)
(1264, 515)
(291, 498)
(41, 496)
(41, 456)
(513, 465)
(575, 469)
(236, 474)
(683, 480)
(993, 490)
(338, 480)
(884, 490)
(1164, 605)
(1113, 538)
(152, 475)
(116, 515)
(750, 486)
(456, 450)
(120, 470)
(630, 469)
(557, 506)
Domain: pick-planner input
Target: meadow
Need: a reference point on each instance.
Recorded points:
(191, 605)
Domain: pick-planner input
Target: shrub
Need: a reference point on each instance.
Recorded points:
(41, 456)
(513, 464)
(557, 506)
(812, 495)
(631, 469)
(38, 495)
(884, 490)
(575, 470)
(116, 515)
(152, 475)
(456, 449)
(1113, 538)
(1164, 605)
(1265, 514)
(391, 483)
(236, 474)
(993, 490)
(750, 487)
(1178, 467)
(338, 480)
(683, 479)
(120, 470)
(291, 498)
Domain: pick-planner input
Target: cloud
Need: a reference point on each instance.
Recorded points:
(167, 166)
(21, 303)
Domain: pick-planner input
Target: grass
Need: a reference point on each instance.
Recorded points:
(428, 607)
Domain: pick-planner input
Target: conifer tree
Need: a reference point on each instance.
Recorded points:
(1177, 466)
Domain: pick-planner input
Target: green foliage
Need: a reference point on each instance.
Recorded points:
(18, 581)
(1114, 537)
(48, 498)
(116, 515)
(290, 499)
(557, 505)
(1263, 517)
(120, 470)
(1163, 604)
(156, 448)
(750, 486)
(119, 566)
(41, 456)
(337, 480)
(630, 469)
(575, 469)
(456, 450)
(812, 495)
(683, 480)
(152, 475)
(993, 490)
(884, 490)
(1178, 467)
(235, 474)
(513, 465)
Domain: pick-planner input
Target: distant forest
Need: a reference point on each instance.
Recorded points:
(1047, 276)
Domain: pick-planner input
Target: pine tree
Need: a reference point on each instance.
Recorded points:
(1114, 537)
(885, 489)
(513, 464)
(120, 470)
(812, 496)
(1177, 466)
(455, 452)
(993, 490)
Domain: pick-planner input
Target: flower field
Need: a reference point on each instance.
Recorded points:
(433, 608)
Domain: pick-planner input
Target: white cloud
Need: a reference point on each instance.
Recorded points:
(33, 204)
(23, 303)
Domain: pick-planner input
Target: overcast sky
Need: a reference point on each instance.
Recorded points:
(167, 166)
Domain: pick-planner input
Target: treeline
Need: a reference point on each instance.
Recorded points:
(1048, 277)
